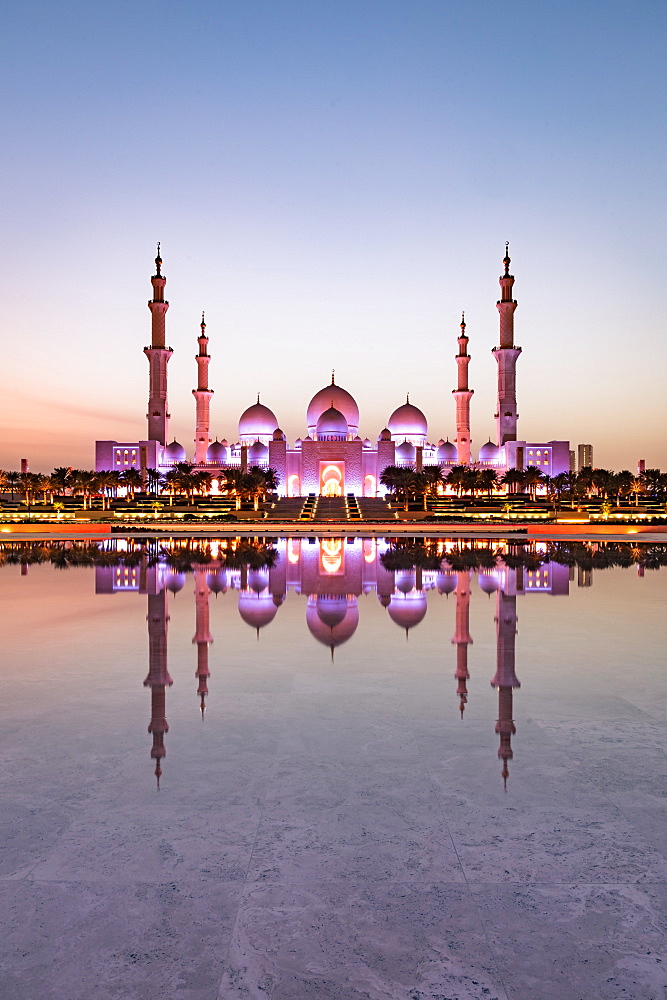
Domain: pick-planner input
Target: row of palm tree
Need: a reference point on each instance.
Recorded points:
(245, 485)
(410, 484)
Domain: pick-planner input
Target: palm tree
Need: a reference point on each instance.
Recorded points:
(107, 483)
(132, 479)
(621, 483)
(533, 478)
(457, 478)
(390, 477)
(154, 480)
(602, 481)
(487, 480)
(13, 480)
(60, 478)
(637, 487)
(82, 481)
(512, 479)
(433, 480)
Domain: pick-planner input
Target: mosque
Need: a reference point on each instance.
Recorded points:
(332, 459)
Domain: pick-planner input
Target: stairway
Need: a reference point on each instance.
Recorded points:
(331, 509)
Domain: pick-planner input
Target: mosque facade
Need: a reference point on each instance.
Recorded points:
(332, 458)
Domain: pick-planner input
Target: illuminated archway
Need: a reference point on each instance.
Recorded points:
(369, 486)
(331, 479)
(293, 487)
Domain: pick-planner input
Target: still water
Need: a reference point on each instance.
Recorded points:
(333, 768)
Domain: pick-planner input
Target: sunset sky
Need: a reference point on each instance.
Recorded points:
(333, 181)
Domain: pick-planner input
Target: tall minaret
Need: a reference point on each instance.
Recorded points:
(462, 396)
(202, 636)
(202, 395)
(158, 355)
(506, 355)
(462, 638)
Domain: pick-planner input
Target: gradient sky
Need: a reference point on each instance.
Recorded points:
(333, 182)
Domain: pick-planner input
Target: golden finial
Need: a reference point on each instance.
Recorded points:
(158, 260)
(333, 376)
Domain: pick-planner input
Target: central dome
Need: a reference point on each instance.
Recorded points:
(332, 424)
(338, 398)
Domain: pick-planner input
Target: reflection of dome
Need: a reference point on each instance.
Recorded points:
(258, 452)
(216, 582)
(488, 582)
(407, 610)
(406, 451)
(216, 452)
(407, 421)
(175, 582)
(257, 421)
(332, 619)
(332, 424)
(385, 435)
(340, 399)
(405, 580)
(446, 582)
(447, 452)
(489, 452)
(258, 580)
(256, 610)
(174, 452)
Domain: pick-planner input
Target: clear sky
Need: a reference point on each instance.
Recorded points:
(333, 181)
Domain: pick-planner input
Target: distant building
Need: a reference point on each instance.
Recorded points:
(332, 458)
(584, 456)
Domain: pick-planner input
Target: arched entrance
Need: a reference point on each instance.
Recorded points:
(332, 479)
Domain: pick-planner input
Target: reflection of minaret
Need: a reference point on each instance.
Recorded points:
(202, 396)
(202, 635)
(158, 355)
(462, 396)
(505, 680)
(462, 636)
(158, 676)
(506, 355)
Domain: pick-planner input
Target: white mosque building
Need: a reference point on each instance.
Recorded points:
(332, 458)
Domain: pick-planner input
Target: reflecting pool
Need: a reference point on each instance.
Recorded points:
(333, 768)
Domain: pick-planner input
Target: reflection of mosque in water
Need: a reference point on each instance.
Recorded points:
(332, 573)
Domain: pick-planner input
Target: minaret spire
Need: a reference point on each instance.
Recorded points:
(506, 355)
(202, 396)
(158, 355)
(462, 394)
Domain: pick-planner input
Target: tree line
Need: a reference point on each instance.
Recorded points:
(244, 485)
(409, 484)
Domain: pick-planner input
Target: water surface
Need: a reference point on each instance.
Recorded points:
(333, 769)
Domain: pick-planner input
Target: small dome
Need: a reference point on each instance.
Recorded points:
(175, 582)
(488, 582)
(367, 443)
(407, 610)
(332, 423)
(216, 452)
(257, 609)
(406, 451)
(333, 396)
(446, 582)
(385, 435)
(447, 452)
(174, 452)
(258, 420)
(407, 420)
(216, 581)
(278, 435)
(489, 452)
(258, 452)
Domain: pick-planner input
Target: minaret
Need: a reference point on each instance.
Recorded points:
(461, 636)
(202, 635)
(505, 679)
(202, 395)
(506, 355)
(158, 355)
(158, 676)
(462, 396)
